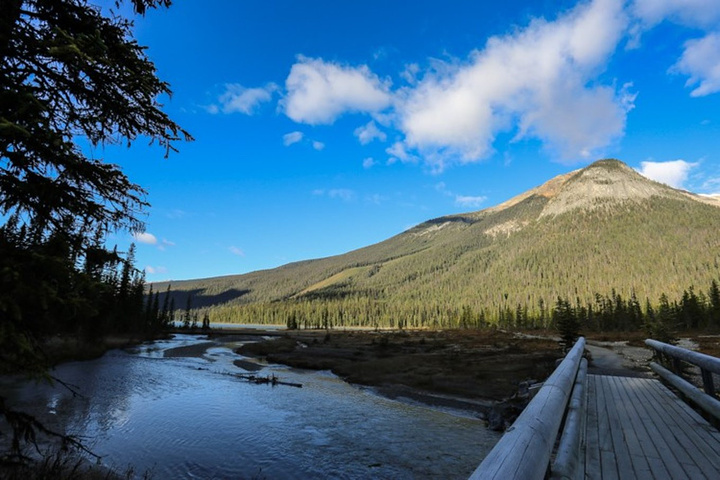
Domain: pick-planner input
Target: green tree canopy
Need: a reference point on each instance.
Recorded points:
(71, 76)
(67, 72)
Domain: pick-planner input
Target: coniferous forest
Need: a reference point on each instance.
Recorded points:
(602, 246)
(691, 310)
(72, 79)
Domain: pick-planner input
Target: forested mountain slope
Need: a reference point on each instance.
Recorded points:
(598, 229)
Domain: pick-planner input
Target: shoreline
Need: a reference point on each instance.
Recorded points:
(473, 373)
(73, 348)
(478, 373)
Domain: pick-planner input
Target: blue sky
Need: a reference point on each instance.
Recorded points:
(323, 126)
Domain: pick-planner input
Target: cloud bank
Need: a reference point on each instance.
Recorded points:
(673, 173)
(318, 92)
(239, 99)
(541, 82)
(145, 237)
(537, 80)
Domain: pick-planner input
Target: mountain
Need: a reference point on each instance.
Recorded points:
(601, 229)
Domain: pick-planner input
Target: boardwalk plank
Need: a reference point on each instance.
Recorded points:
(670, 421)
(695, 427)
(592, 442)
(628, 399)
(658, 415)
(631, 437)
(620, 446)
(670, 458)
(637, 428)
(604, 423)
(608, 465)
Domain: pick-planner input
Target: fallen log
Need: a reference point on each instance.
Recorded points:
(271, 380)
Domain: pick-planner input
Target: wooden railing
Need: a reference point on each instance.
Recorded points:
(525, 450)
(673, 357)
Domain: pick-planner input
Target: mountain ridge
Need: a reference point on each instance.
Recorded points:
(596, 229)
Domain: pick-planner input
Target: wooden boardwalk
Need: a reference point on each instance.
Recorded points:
(614, 427)
(638, 429)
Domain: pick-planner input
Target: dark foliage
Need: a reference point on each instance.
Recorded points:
(67, 72)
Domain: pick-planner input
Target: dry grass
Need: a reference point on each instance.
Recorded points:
(471, 363)
(634, 339)
(708, 344)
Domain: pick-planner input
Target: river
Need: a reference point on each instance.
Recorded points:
(190, 417)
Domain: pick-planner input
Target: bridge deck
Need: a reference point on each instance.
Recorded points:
(637, 428)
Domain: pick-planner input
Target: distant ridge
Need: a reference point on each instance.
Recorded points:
(600, 228)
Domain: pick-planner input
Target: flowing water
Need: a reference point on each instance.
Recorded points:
(192, 418)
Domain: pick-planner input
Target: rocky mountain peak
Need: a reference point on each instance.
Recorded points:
(600, 184)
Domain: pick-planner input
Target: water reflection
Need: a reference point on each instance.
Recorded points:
(189, 418)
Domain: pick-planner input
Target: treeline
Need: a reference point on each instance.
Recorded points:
(50, 284)
(611, 312)
(492, 263)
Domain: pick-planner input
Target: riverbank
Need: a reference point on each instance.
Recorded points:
(436, 365)
(68, 348)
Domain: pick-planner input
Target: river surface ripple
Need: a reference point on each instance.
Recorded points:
(192, 418)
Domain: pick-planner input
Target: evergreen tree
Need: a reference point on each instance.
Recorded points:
(67, 72)
(187, 316)
(567, 323)
(714, 308)
(165, 317)
(663, 329)
(691, 311)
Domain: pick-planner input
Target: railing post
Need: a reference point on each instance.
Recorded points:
(708, 383)
(677, 366)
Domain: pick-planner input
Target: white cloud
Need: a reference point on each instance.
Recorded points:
(375, 199)
(343, 194)
(164, 244)
(237, 98)
(693, 13)
(712, 185)
(673, 173)
(176, 214)
(318, 92)
(410, 73)
(292, 137)
(465, 201)
(540, 77)
(318, 145)
(469, 201)
(701, 61)
(398, 152)
(368, 162)
(236, 251)
(152, 270)
(145, 237)
(369, 132)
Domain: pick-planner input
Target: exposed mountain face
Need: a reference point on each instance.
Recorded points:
(599, 228)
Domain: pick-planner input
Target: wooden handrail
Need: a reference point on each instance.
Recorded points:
(703, 361)
(569, 459)
(707, 364)
(524, 450)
